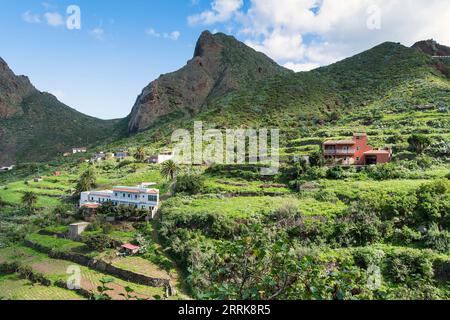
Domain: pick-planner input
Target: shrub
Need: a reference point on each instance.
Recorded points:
(97, 242)
(189, 183)
(359, 227)
(438, 240)
(418, 143)
(365, 257)
(386, 171)
(336, 173)
(434, 203)
(407, 235)
(409, 266)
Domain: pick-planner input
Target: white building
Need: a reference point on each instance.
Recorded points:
(79, 150)
(161, 158)
(140, 197)
(7, 168)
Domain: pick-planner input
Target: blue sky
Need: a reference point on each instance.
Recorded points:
(123, 45)
(98, 76)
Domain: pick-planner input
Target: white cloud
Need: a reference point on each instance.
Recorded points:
(280, 45)
(31, 17)
(54, 19)
(152, 32)
(174, 35)
(298, 67)
(98, 33)
(221, 11)
(319, 32)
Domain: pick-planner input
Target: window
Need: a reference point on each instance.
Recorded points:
(124, 195)
(116, 194)
(135, 196)
(153, 198)
(358, 158)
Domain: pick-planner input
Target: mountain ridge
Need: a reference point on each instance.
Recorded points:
(36, 126)
(220, 64)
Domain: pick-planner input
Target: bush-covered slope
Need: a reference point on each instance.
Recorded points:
(35, 126)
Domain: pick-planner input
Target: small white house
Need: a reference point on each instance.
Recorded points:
(79, 150)
(140, 197)
(160, 158)
(7, 168)
(76, 229)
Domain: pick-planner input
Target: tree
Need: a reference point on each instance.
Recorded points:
(87, 181)
(139, 155)
(29, 199)
(169, 170)
(419, 143)
(189, 183)
(316, 159)
(2, 203)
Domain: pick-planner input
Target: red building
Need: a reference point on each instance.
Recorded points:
(355, 152)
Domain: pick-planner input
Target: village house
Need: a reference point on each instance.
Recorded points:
(140, 197)
(98, 157)
(130, 249)
(9, 168)
(160, 158)
(121, 155)
(355, 152)
(79, 150)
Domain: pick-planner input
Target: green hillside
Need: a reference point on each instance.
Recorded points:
(311, 232)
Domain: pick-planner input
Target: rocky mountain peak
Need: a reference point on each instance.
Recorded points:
(220, 64)
(432, 48)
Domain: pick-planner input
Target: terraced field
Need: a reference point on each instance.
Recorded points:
(14, 288)
(55, 269)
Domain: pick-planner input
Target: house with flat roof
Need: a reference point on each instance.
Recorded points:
(140, 197)
(356, 151)
(79, 150)
(160, 158)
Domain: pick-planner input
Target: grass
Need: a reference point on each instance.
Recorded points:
(14, 288)
(55, 269)
(242, 207)
(63, 245)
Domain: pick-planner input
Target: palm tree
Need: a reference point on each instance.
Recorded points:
(29, 199)
(169, 170)
(139, 155)
(87, 181)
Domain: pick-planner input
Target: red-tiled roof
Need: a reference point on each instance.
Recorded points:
(126, 190)
(130, 246)
(377, 152)
(343, 142)
(91, 205)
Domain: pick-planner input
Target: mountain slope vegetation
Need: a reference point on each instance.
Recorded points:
(36, 127)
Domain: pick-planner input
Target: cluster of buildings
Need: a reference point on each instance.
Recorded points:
(8, 168)
(356, 151)
(140, 197)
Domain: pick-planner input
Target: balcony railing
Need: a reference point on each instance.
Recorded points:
(339, 152)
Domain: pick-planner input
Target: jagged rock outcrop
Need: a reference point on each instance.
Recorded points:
(432, 48)
(13, 89)
(220, 64)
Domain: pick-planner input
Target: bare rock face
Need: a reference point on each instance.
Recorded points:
(220, 64)
(432, 48)
(12, 91)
